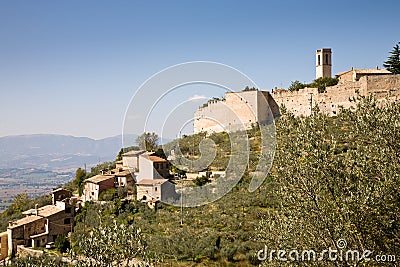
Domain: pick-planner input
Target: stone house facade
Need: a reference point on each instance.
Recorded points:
(97, 184)
(155, 189)
(130, 160)
(41, 226)
(152, 167)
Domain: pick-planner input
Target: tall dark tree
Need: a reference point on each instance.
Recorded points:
(147, 141)
(393, 62)
(79, 181)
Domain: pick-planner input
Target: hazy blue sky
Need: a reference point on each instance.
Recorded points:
(71, 67)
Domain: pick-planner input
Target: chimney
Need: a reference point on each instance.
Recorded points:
(37, 209)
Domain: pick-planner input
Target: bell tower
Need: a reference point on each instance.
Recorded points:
(323, 63)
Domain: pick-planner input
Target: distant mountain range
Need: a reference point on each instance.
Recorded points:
(56, 152)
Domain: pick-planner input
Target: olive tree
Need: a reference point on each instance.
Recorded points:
(339, 178)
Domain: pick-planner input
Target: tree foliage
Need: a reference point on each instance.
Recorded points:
(339, 178)
(200, 181)
(21, 203)
(101, 167)
(323, 82)
(333, 177)
(108, 241)
(108, 195)
(250, 89)
(79, 181)
(30, 261)
(296, 86)
(320, 83)
(62, 244)
(392, 64)
(147, 141)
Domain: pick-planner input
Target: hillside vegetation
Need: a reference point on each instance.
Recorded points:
(332, 178)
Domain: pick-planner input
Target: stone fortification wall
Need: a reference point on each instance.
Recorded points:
(239, 110)
(250, 107)
(299, 102)
(387, 86)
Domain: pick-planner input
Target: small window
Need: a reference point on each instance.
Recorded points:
(67, 221)
(326, 59)
(155, 189)
(319, 60)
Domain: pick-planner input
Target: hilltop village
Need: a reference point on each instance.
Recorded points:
(147, 176)
(42, 225)
(257, 106)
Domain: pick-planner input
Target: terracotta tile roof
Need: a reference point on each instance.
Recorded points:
(99, 178)
(154, 158)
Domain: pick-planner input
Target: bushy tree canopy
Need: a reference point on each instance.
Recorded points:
(147, 141)
(339, 178)
(320, 83)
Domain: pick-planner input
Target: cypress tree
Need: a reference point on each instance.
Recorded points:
(393, 62)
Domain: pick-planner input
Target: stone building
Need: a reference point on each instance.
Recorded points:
(130, 160)
(354, 75)
(380, 84)
(152, 180)
(241, 109)
(60, 194)
(115, 178)
(123, 178)
(238, 111)
(3, 246)
(40, 226)
(323, 63)
(152, 167)
(155, 189)
(97, 184)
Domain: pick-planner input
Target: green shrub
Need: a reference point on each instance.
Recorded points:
(62, 244)
(108, 194)
(200, 181)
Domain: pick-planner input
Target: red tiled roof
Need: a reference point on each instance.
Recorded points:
(156, 159)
